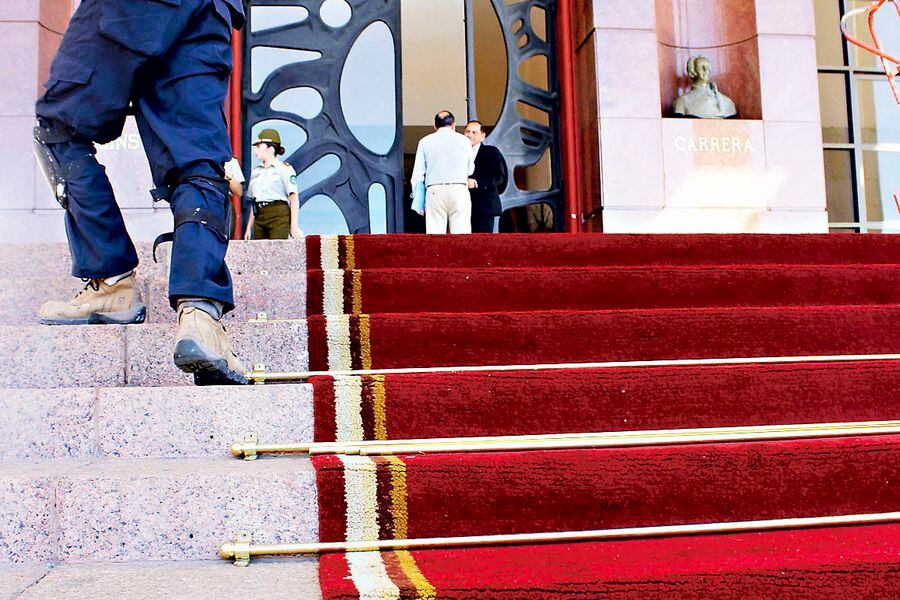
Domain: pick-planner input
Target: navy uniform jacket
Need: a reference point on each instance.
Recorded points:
(491, 174)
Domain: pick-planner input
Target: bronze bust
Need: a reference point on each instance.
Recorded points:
(704, 100)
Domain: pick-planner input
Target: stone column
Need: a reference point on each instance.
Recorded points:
(30, 33)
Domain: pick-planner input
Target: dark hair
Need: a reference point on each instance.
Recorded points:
(444, 118)
(477, 122)
(279, 150)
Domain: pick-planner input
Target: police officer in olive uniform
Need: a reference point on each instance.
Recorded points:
(168, 63)
(273, 187)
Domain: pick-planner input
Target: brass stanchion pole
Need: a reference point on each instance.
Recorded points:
(250, 449)
(260, 375)
(241, 551)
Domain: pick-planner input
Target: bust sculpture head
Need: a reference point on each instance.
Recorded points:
(704, 100)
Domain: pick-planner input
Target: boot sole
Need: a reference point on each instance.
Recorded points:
(207, 369)
(135, 316)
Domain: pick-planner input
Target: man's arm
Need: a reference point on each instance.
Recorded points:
(294, 202)
(290, 186)
(235, 178)
(237, 189)
(418, 178)
(418, 173)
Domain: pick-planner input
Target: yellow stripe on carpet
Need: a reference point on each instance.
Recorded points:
(399, 514)
(379, 403)
(349, 253)
(365, 349)
(424, 589)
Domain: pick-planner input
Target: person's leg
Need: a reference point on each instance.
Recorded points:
(459, 209)
(259, 229)
(436, 210)
(482, 223)
(188, 86)
(281, 222)
(262, 225)
(180, 102)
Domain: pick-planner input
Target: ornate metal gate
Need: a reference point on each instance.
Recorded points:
(309, 43)
(524, 141)
(297, 58)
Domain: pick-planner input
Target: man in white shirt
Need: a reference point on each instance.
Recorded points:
(444, 161)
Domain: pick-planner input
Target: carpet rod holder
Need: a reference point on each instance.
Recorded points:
(260, 375)
(250, 449)
(242, 550)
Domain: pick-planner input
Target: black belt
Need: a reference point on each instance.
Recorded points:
(262, 204)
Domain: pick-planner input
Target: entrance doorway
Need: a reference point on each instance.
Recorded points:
(352, 85)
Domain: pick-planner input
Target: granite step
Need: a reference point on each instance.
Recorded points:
(164, 422)
(295, 578)
(264, 257)
(280, 296)
(75, 511)
(134, 355)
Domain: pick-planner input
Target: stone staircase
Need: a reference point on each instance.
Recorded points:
(115, 475)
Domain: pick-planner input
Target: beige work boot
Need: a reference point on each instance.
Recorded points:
(202, 348)
(98, 304)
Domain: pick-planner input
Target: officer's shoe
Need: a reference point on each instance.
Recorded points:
(202, 348)
(99, 303)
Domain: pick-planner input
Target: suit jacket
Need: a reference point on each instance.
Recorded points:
(492, 175)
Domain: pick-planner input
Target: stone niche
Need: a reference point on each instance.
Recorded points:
(725, 32)
(761, 171)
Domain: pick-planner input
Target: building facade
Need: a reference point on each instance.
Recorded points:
(578, 96)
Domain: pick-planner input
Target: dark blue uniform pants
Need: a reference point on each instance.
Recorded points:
(171, 60)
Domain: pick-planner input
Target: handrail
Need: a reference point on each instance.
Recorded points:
(250, 449)
(260, 375)
(877, 49)
(242, 550)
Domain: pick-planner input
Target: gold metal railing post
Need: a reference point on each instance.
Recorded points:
(250, 449)
(243, 551)
(259, 375)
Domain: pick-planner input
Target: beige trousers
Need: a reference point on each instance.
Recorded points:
(448, 205)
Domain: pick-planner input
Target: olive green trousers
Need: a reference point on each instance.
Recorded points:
(273, 222)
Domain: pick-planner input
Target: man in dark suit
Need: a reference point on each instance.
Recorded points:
(487, 182)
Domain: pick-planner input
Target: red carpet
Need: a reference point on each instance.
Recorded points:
(380, 302)
(840, 562)
(372, 291)
(595, 400)
(442, 339)
(552, 250)
(461, 494)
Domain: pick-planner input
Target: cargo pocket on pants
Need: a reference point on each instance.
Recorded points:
(66, 74)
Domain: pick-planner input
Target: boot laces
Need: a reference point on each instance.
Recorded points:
(92, 284)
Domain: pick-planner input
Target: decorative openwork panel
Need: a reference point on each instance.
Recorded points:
(524, 141)
(326, 75)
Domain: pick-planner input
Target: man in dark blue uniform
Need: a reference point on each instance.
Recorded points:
(167, 62)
